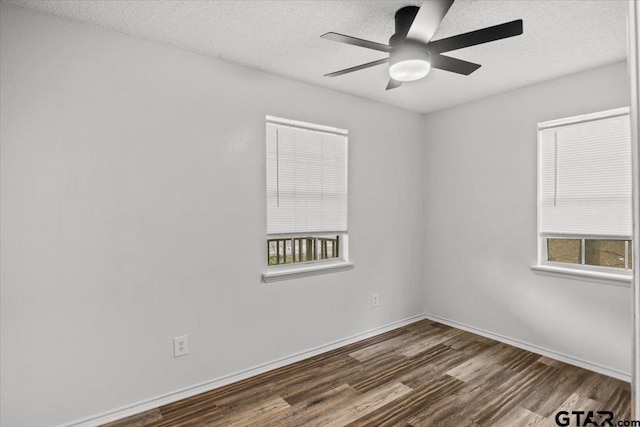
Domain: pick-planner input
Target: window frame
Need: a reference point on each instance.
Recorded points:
(544, 255)
(295, 236)
(600, 274)
(299, 269)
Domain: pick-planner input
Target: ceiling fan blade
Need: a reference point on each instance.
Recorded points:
(485, 35)
(454, 65)
(356, 42)
(393, 84)
(357, 67)
(428, 19)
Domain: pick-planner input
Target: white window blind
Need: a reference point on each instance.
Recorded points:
(585, 175)
(306, 178)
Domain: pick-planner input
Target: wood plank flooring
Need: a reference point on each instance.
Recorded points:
(424, 374)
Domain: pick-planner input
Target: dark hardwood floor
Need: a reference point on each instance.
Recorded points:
(424, 374)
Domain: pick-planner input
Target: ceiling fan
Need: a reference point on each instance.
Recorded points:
(412, 53)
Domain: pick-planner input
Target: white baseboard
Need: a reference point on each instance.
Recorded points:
(581, 363)
(145, 405)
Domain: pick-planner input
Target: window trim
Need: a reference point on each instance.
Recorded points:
(305, 125)
(280, 272)
(599, 274)
(559, 270)
(584, 118)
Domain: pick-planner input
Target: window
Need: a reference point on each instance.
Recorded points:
(584, 193)
(596, 252)
(287, 250)
(306, 193)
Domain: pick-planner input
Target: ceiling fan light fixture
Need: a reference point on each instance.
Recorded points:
(409, 63)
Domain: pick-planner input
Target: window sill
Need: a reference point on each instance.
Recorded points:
(587, 275)
(276, 274)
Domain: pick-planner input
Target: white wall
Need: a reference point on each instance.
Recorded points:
(480, 189)
(133, 210)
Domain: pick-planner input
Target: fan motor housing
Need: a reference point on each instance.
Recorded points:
(404, 18)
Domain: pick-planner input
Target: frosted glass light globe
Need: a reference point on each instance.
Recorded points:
(409, 63)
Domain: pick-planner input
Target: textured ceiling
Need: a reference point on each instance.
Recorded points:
(283, 37)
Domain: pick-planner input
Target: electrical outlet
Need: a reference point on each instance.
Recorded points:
(180, 346)
(374, 300)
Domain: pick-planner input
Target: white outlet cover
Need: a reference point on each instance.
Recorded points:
(180, 346)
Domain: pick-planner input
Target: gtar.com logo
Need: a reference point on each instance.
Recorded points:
(584, 418)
